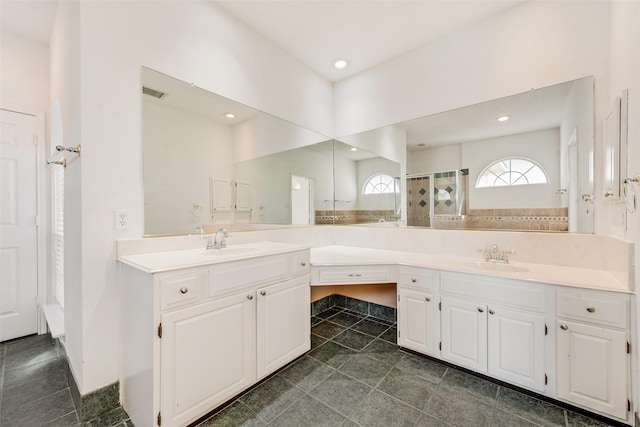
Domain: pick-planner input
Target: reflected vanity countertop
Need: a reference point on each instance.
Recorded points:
(337, 255)
(157, 262)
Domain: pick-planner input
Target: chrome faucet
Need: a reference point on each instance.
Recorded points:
(222, 243)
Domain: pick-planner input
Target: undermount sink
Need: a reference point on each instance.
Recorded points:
(497, 267)
(227, 251)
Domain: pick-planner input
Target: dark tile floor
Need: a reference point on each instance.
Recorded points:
(34, 390)
(355, 375)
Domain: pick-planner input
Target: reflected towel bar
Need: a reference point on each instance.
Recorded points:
(62, 162)
(75, 149)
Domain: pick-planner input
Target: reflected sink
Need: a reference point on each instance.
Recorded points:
(497, 267)
(228, 251)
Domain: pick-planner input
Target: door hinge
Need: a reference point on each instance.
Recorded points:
(546, 379)
(440, 306)
(628, 405)
(159, 419)
(440, 345)
(628, 347)
(160, 330)
(546, 330)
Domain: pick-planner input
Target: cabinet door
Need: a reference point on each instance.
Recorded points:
(592, 367)
(516, 347)
(284, 313)
(464, 333)
(417, 321)
(207, 356)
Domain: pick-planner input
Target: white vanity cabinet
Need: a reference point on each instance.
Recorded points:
(207, 355)
(593, 350)
(495, 326)
(283, 324)
(194, 338)
(418, 316)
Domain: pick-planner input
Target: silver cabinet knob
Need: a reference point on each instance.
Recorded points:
(563, 327)
(263, 293)
(591, 309)
(355, 275)
(492, 312)
(249, 297)
(427, 298)
(184, 290)
(303, 264)
(481, 310)
(608, 194)
(414, 280)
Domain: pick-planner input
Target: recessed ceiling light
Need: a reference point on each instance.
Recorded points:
(340, 64)
(230, 115)
(503, 118)
(353, 149)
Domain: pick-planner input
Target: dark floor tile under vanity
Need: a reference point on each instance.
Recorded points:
(355, 375)
(35, 389)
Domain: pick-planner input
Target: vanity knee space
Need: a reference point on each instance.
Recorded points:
(566, 343)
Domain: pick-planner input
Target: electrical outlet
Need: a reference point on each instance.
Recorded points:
(122, 220)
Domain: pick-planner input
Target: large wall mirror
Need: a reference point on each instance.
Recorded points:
(252, 170)
(523, 162)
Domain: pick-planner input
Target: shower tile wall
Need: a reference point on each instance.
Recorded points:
(418, 201)
(445, 193)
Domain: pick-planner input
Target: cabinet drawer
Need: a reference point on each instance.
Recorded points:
(593, 307)
(178, 289)
(252, 272)
(418, 278)
(356, 274)
(300, 263)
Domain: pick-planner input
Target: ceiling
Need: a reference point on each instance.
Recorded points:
(29, 18)
(366, 32)
(529, 111)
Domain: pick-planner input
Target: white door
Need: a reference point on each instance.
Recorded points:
(207, 356)
(592, 367)
(283, 324)
(18, 233)
(416, 323)
(464, 333)
(516, 347)
(301, 190)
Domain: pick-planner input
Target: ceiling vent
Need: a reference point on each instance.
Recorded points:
(153, 92)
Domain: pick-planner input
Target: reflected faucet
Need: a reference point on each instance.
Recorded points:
(222, 243)
(496, 255)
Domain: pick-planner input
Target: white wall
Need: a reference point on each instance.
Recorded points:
(195, 42)
(437, 159)
(181, 151)
(64, 75)
(625, 74)
(24, 73)
(270, 179)
(265, 135)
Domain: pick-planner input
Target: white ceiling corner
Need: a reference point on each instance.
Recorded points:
(367, 32)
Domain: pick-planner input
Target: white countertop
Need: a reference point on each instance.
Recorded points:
(541, 273)
(157, 262)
